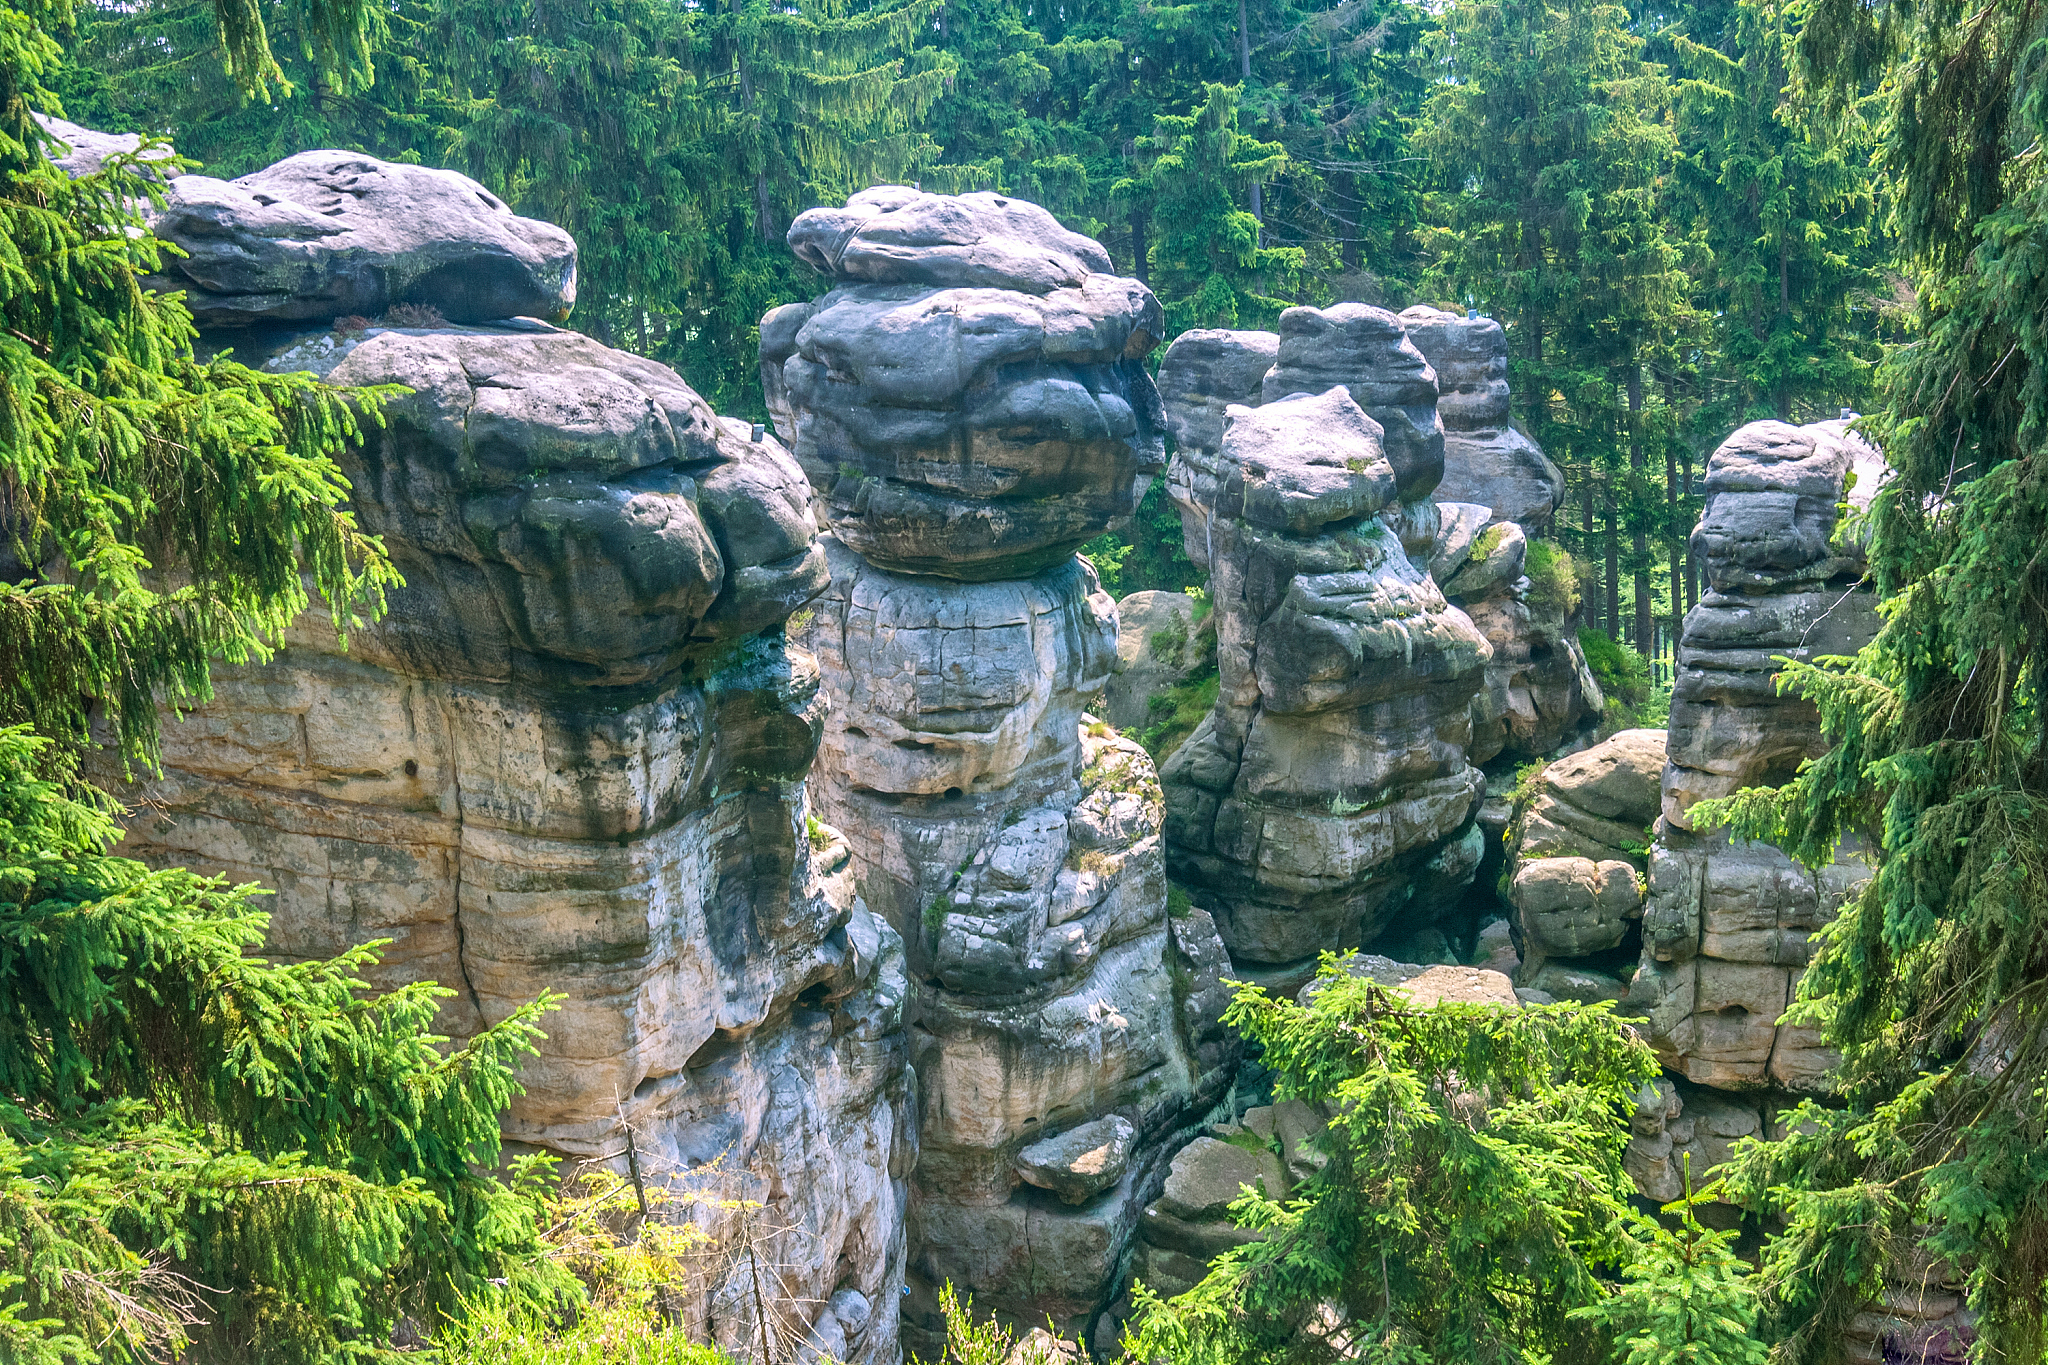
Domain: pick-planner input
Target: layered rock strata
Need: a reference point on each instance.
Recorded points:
(1538, 692)
(572, 759)
(1581, 848)
(970, 402)
(1328, 792)
(1726, 926)
(1487, 459)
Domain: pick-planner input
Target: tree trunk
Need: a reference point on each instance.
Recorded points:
(1141, 245)
(1692, 568)
(1671, 552)
(1781, 398)
(1244, 74)
(1646, 642)
(1589, 541)
(1612, 535)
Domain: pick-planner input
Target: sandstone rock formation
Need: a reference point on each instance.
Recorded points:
(1725, 926)
(1201, 375)
(1581, 850)
(982, 409)
(1780, 582)
(1487, 459)
(572, 758)
(970, 401)
(325, 234)
(1328, 792)
(1538, 691)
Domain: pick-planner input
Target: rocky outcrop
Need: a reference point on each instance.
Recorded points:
(1328, 792)
(1487, 459)
(981, 409)
(572, 759)
(1726, 925)
(1496, 487)
(1202, 374)
(970, 402)
(1539, 693)
(326, 234)
(1780, 583)
(1581, 848)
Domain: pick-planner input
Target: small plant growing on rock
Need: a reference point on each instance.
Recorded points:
(421, 315)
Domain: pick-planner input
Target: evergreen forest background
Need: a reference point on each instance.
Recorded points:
(1676, 240)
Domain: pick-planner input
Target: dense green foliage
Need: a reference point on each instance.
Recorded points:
(200, 1150)
(159, 512)
(1932, 980)
(1472, 1191)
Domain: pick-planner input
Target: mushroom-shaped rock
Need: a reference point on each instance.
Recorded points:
(1366, 350)
(971, 401)
(1082, 1162)
(327, 234)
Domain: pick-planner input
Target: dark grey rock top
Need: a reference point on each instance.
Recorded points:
(893, 234)
(564, 512)
(972, 403)
(327, 234)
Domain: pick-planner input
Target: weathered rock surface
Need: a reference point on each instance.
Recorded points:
(1780, 582)
(1329, 789)
(1366, 351)
(325, 234)
(971, 404)
(984, 409)
(1159, 643)
(1538, 689)
(1202, 374)
(1487, 459)
(1579, 850)
(573, 759)
(1726, 926)
(85, 150)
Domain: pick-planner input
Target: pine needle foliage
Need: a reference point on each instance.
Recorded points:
(156, 511)
(201, 1151)
(1473, 1190)
(1932, 981)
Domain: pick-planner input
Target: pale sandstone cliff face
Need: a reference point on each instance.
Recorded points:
(572, 759)
(970, 401)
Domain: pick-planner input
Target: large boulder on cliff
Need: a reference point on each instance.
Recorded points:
(563, 512)
(1487, 459)
(324, 234)
(970, 398)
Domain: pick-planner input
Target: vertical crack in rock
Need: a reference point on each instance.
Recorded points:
(970, 401)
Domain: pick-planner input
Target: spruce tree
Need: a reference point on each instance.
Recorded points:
(1931, 982)
(1472, 1194)
(160, 511)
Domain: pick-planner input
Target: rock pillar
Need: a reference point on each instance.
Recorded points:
(971, 403)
